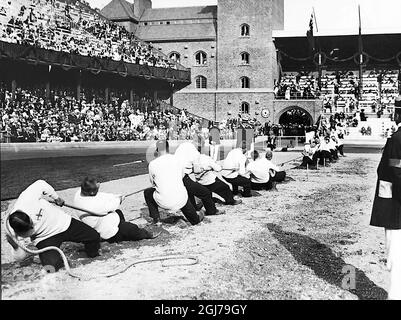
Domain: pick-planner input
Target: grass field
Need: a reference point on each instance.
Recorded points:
(66, 172)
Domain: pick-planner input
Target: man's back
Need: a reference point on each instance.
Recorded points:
(187, 154)
(259, 170)
(101, 203)
(235, 160)
(166, 174)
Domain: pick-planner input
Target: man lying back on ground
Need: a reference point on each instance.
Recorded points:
(34, 217)
(168, 191)
(110, 221)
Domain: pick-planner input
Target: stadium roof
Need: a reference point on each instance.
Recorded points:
(382, 49)
(180, 13)
(119, 10)
(177, 32)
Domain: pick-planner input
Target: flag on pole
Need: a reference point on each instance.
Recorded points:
(310, 35)
(360, 42)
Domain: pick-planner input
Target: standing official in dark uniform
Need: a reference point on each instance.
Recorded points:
(386, 211)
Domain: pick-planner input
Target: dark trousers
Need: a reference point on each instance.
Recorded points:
(341, 149)
(308, 161)
(334, 154)
(262, 186)
(195, 189)
(223, 190)
(77, 232)
(128, 231)
(279, 176)
(188, 210)
(325, 155)
(240, 181)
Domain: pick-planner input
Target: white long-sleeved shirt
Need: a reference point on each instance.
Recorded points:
(324, 146)
(48, 220)
(309, 151)
(271, 165)
(187, 155)
(207, 177)
(259, 170)
(101, 203)
(235, 159)
(165, 174)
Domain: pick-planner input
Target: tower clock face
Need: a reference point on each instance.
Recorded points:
(265, 113)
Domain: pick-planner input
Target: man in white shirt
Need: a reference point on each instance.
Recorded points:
(188, 156)
(259, 171)
(208, 178)
(340, 139)
(109, 221)
(168, 192)
(310, 155)
(324, 151)
(34, 217)
(277, 173)
(236, 162)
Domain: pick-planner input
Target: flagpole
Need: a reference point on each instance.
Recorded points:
(317, 46)
(314, 16)
(360, 46)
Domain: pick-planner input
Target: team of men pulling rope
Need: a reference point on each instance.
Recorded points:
(176, 181)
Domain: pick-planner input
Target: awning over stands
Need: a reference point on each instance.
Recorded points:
(177, 78)
(340, 52)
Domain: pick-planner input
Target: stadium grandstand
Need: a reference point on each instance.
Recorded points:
(69, 74)
(96, 81)
(354, 77)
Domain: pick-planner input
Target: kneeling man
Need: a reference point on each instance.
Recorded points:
(36, 218)
(236, 161)
(166, 175)
(278, 174)
(109, 221)
(208, 178)
(259, 170)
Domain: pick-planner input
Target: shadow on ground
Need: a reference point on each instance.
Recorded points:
(326, 265)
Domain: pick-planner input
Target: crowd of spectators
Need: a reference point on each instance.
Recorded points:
(29, 117)
(340, 91)
(74, 28)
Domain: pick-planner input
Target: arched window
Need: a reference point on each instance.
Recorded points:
(201, 82)
(200, 58)
(244, 30)
(245, 83)
(175, 56)
(245, 58)
(245, 107)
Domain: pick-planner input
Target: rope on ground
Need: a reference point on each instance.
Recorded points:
(192, 261)
(283, 163)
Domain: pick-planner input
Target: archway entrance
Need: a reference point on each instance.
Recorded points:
(294, 120)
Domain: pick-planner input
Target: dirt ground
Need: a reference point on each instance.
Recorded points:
(291, 244)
